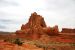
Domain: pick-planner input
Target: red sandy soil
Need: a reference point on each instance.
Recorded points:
(10, 46)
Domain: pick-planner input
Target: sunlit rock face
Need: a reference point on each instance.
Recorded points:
(36, 27)
(35, 21)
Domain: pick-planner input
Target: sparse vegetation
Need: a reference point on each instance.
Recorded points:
(18, 41)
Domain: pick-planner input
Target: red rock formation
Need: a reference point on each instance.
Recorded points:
(35, 27)
(68, 30)
(51, 30)
(34, 21)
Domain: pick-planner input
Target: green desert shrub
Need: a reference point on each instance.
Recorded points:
(18, 42)
(72, 44)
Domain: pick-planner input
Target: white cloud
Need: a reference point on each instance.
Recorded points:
(55, 12)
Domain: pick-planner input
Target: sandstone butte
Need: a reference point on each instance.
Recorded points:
(36, 27)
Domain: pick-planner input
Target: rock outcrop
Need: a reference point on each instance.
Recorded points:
(68, 30)
(36, 27)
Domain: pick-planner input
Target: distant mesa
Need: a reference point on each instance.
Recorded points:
(68, 30)
(36, 27)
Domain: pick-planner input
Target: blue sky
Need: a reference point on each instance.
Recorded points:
(14, 13)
